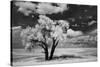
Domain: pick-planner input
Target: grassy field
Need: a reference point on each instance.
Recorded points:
(61, 55)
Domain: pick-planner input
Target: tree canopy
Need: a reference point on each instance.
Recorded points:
(45, 30)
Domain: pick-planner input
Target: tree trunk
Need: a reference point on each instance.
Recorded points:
(55, 43)
(46, 54)
(52, 53)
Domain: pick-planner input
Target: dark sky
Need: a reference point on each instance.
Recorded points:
(79, 17)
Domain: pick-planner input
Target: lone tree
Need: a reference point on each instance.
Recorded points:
(46, 33)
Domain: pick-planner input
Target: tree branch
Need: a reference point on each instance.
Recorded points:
(42, 46)
(41, 43)
(56, 43)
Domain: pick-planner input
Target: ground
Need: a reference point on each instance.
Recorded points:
(62, 55)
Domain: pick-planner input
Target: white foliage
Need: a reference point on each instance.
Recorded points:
(45, 29)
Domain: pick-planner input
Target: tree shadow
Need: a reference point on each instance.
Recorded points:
(66, 57)
(62, 57)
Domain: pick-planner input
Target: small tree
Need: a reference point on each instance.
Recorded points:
(45, 31)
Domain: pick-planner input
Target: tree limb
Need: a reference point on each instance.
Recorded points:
(56, 43)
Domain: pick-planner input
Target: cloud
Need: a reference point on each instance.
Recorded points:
(92, 22)
(41, 8)
(93, 32)
(24, 11)
(26, 7)
(48, 8)
(73, 33)
(17, 27)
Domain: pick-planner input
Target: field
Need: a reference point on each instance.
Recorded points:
(67, 52)
(61, 55)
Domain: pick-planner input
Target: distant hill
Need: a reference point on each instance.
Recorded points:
(16, 40)
(85, 40)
